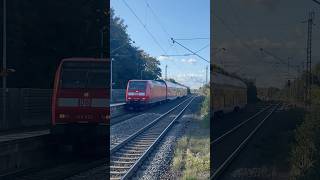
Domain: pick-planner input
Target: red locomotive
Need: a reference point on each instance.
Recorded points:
(80, 102)
(141, 93)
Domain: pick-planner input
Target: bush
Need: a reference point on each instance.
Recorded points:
(305, 156)
(205, 108)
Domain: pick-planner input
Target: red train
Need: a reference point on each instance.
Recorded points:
(80, 102)
(141, 93)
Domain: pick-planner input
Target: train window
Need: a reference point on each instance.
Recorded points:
(84, 75)
(97, 79)
(137, 85)
(73, 78)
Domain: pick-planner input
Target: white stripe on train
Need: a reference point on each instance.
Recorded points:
(74, 102)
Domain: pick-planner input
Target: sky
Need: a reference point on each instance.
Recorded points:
(242, 27)
(164, 19)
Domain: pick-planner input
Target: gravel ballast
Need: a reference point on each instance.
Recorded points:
(159, 161)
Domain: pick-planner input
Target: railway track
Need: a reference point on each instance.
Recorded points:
(132, 114)
(126, 157)
(248, 127)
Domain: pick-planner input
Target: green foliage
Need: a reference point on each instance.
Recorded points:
(315, 95)
(130, 62)
(192, 152)
(205, 107)
(296, 91)
(197, 158)
(192, 157)
(172, 80)
(305, 154)
(178, 163)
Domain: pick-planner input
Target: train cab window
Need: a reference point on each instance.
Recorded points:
(73, 78)
(84, 79)
(97, 79)
(84, 75)
(137, 85)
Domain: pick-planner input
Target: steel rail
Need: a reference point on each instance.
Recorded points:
(148, 151)
(230, 158)
(133, 115)
(144, 143)
(114, 149)
(239, 125)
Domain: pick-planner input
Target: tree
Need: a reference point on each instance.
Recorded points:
(130, 62)
(172, 80)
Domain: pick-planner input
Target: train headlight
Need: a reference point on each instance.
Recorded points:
(105, 117)
(129, 98)
(62, 116)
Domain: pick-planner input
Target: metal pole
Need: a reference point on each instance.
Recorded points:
(4, 65)
(141, 74)
(101, 55)
(141, 68)
(166, 72)
(206, 74)
(111, 79)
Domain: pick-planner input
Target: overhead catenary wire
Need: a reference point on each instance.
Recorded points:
(237, 37)
(174, 41)
(282, 61)
(251, 49)
(190, 39)
(234, 34)
(144, 26)
(168, 34)
(157, 19)
(188, 54)
(163, 28)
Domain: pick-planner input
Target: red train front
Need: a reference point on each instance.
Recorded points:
(140, 93)
(80, 96)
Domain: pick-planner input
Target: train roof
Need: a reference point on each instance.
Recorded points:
(153, 81)
(171, 84)
(168, 83)
(222, 79)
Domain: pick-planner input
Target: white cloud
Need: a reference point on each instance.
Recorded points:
(193, 80)
(165, 58)
(189, 61)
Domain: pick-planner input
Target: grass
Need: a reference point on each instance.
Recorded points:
(305, 160)
(192, 153)
(192, 156)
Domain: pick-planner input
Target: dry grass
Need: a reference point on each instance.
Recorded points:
(192, 154)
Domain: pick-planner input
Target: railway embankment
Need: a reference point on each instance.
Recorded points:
(191, 156)
(268, 153)
(304, 154)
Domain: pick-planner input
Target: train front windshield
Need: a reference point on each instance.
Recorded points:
(137, 85)
(84, 75)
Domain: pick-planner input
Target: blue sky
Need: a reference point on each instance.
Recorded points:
(181, 19)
